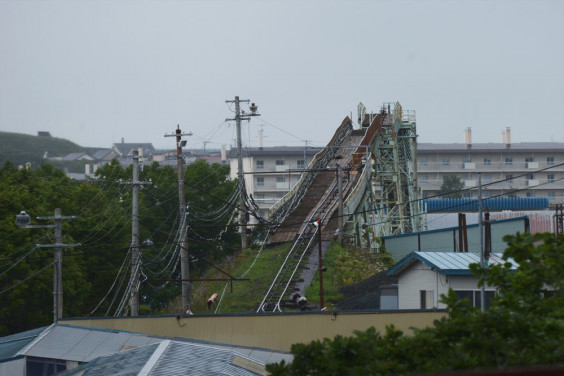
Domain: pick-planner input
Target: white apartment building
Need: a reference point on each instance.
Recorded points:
(270, 172)
(526, 169)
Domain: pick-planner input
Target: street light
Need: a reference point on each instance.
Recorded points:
(23, 220)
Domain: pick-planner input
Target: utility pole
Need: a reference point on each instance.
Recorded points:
(135, 261)
(22, 220)
(240, 174)
(481, 225)
(340, 189)
(58, 259)
(184, 255)
(135, 253)
(320, 252)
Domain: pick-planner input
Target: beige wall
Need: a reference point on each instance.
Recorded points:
(270, 331)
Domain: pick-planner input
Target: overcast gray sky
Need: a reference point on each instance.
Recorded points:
(96, 71)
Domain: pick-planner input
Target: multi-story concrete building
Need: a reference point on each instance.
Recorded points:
(526, 169)
(270, 172)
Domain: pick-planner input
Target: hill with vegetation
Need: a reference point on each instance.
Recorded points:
(21, 148)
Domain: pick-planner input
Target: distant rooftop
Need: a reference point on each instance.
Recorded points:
(491, 146)
(275, 151)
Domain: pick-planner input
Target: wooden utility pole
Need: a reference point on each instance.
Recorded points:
(240, 174)
(320, 252)
(184, 255)
(135, 259)
(340, 189)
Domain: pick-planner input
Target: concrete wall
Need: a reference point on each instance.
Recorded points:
(270, 331)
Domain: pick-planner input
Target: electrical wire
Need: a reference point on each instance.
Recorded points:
(28, 278)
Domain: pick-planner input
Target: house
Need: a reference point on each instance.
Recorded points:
(424, 276)
(77, 157)
(60, 347)
(123, 150)
(104, 155)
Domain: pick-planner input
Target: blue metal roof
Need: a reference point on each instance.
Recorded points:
(448, 263)
(11, 345)
(490, 203)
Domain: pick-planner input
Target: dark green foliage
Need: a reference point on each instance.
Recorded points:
(524, 326)
(22, 148)
(103, 227)
(452, 187)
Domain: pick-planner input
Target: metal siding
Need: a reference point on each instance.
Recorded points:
(491, 203)
(13, 367)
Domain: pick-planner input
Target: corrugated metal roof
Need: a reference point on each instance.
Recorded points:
(84, 344)
(172, 358)
(448, 263)
(67, 342)
(12, 344)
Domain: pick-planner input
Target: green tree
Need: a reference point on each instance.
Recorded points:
(452, 187)
(103, 227)
(524, 325)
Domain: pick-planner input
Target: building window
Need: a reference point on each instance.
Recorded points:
(279, 162)
(259, 164)
(446, 161)
(530, 176)
(488, 178)
(474, 297)
(487, 161)
(260, 182)
(426, 299)
(550, 161)
(467, 159)
(423, 299)
(423, 161)
(301, 164)
(509, 161)
(551, 195)
(529, 159)
(550, 178)
(44, 366)
(280, 179)
(509, 178)
(530, 194)
(259, 196)
(424, 178)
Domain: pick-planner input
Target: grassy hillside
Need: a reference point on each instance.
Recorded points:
(22, 148)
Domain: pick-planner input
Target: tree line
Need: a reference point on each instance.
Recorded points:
(103, 227)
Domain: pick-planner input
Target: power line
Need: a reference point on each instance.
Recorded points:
(28, 278)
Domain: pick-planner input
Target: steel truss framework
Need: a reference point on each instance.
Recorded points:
(395, 177)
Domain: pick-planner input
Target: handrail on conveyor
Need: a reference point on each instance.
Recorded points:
(261, 306)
